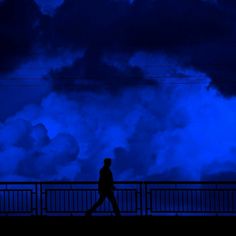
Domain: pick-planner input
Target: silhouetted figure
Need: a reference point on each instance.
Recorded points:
(105, 188)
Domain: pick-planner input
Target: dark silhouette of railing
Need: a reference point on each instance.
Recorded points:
(198, 198)
(134, 198)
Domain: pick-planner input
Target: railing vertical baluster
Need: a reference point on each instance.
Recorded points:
(13, 201)
(36, 199)
(233, 197)
(189, 201)
(25, 200)
(178, 205)
(232, 193)
(218, 201)
(229, 197)
(192, 200)
(55, 201)
(205, 201)
(22, 200)
(86, 199)
(72, 200)
(159, 197)
(140, 200)
(120, 195)
(9, 200)
(223, 200)
(82, 200)
(17, 196)
(169, 202)
(41, 199)
(146, 199)
(125, 197)
(200, 200)
(215, 199)
(154, 202)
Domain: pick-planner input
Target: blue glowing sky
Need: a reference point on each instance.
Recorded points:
(150, 84)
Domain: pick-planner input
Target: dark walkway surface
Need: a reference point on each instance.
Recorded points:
(111, 225)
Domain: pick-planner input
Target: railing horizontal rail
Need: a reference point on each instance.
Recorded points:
(120, 182)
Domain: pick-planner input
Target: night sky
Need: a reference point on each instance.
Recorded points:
(149, 83)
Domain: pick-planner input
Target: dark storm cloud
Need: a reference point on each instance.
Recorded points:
(18, 32)
(92, 73)
(149, 25)
(198, 33)
(87, 23)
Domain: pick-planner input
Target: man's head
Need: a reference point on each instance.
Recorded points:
(107, 162)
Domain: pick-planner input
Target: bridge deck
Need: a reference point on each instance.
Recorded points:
(118, 226)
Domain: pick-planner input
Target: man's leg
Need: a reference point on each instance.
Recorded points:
(112, 199)
(96, 205)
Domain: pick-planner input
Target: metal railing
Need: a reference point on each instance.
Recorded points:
(190, 198)
(134, 198)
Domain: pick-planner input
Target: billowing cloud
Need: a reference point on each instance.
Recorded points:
(95, 73)
(49, 7)
(158, 118)
(197, 33)
(166, 132)
(27, 152)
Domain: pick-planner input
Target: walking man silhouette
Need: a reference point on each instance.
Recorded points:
(105, 189)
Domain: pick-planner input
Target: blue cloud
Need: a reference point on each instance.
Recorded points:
(27, 152)
(171, 131)
(180, 127)
(49, 7)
